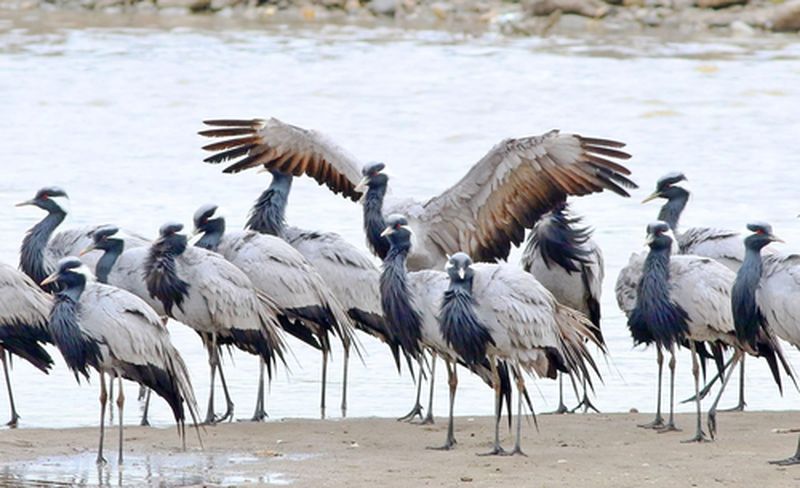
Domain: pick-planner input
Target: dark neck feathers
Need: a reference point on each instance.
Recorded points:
(163, 282)
(374, 222)
(268, 215)
(460, 325)
(397, 304)
(656, 318)
(79, 351)
(747, 317)
(105, 264)
(671, 211)
(213, 231)
(33, 248)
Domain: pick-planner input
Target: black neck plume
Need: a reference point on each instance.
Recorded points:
(163, 282)
(33, 246)
(560, 241)
(747, 317)
(374, 222)
(79, 351)
(460, 325)
(268, 215)
(398, 307)
(656, 318)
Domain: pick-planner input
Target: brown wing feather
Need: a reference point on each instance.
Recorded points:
(286, 148)
(514, 184)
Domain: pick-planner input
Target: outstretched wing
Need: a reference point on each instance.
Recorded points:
(289, 149)
(509, 189)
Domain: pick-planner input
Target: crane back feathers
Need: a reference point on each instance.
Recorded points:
(24, 340)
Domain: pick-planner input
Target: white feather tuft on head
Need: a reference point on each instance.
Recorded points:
(62, 201)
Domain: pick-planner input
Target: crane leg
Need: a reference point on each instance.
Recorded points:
(417, 408)
(497, 449)
(659, 420)
(452, 381)
(213, 360)
(712, 412)
(110, 399)
(561, 407)
(520, 392)
(324, 383)
(740, 406)
(14, 416)
(260, 414)
(344, 379)
(228, 415)
(699, 435)
(429, 417)
(120, 406)
(103, 401)
(585, 402)
(145, 421)
(670, 427)
(791, 460)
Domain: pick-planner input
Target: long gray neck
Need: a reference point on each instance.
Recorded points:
(212, 234)
(671, 211)
(105, 264)
(33, 247)
(268, 215)
(374, 222)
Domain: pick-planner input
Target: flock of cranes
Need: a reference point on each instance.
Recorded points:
(103, 295)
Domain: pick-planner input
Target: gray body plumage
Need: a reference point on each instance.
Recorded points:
(567, 261)
(24, 311)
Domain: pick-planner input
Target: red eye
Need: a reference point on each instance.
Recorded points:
(45, 196)
(760, 232)
(396, 226)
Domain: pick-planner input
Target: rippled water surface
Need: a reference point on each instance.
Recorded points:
(111, 113)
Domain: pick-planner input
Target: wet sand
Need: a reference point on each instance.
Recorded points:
(575, 450)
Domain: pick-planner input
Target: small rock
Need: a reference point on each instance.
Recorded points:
(562, 461)
(719, 3)
(383, 7)
(633, 410)
(466, 479)
(786, 17)
(586, 8)
(741, 28)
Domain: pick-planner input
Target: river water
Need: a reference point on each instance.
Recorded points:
(110, 112)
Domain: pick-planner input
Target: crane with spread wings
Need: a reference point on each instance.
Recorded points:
(483, 214)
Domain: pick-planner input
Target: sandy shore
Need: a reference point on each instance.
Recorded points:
(575, 450)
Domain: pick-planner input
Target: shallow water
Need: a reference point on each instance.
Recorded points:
(110, 113)
(178, 469)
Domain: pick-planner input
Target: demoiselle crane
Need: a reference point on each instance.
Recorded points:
(279, 271)
(483, 214)
(562, 256)
(526, 326)
(41, 250)
(215, 298)
(411, 304)
(114, 332)
(682, 299)
(766, 297)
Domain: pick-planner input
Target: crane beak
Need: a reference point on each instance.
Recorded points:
(462, 273)
(650, 239)
(50, 279)
(387, 232)
(196, 235)
(652, 196)
(361, 187)
(87, 250)
(23, 204)
(776, 239)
